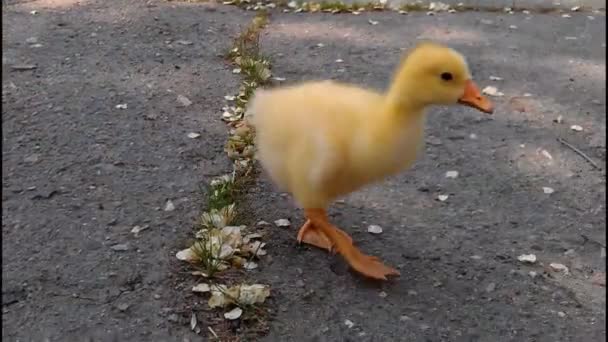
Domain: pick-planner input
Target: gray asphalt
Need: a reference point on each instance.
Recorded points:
(461, 280)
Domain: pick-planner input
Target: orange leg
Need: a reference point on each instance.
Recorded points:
(328, 234)
(313, 236)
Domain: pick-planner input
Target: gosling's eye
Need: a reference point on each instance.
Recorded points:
(446, 76)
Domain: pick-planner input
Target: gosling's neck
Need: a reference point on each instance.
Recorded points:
(401, 101)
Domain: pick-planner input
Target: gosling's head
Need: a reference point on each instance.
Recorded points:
(439, 75)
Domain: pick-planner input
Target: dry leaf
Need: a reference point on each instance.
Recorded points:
(250, 237)
(492, 91)
(253, 294)
(193, 135)
(187, 255)
(438, 6)
(250, 265)
(219, 218)
(193, 322)
(202, 288)
(221, 296)
(226, 251)
(254, 248)
(233, 314)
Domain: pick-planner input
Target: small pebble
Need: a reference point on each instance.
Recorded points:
(491, 287)
(527, 258)
(559, 268)
(569, 252)
(349, 324)
(123, 307)
(599, 278)
(138, 229)
(169, 206)
(184, 101)
(374, 229)
(121, 247)
(561, 314)
(576, 128)
(282, 223)
(451, 174)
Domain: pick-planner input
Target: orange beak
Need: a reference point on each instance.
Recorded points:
(472, 97)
